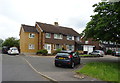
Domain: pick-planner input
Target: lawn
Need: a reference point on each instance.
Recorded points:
(107, 71)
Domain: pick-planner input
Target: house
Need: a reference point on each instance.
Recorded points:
(49, 37)
(88, 45)
(109, 46)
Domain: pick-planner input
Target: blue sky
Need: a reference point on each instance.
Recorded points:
(69, 13)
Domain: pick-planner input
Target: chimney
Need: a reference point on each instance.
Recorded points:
(56, 24)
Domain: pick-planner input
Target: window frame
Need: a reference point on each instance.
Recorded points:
(77, 38)
(31, 35)
(46, 35)
(58, 36)
(31, 46)
(70, 37)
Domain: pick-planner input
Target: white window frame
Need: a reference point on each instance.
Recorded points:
(72, 47)
(86, 42)
(47, 35)
(70, 37)
(58, 36)
(31, 46)
(77, 38)
(31, 35)
(59, 46)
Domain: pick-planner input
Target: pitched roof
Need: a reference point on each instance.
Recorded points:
(28, 28)
(57, 29)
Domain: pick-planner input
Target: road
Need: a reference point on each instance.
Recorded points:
(30, 68)
(14, 68)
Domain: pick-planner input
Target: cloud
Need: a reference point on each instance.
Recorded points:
(69, 13)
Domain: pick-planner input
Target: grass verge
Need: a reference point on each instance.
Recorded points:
(107, 71)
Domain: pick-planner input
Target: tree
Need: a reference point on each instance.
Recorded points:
(105, 24)
(10, 42)
(1, 41)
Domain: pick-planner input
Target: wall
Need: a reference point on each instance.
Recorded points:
(25, 41)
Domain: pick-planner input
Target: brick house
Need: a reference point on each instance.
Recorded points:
(47, 36)
(89, 45)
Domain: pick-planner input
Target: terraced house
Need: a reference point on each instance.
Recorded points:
(47, 36)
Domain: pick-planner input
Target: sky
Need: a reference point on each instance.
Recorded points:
(68, 13)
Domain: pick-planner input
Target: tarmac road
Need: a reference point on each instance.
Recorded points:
(14, 68)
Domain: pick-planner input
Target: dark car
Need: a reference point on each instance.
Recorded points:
(5, 49)
(67, 58)
(116, 53)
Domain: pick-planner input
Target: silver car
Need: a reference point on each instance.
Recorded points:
(97, 52)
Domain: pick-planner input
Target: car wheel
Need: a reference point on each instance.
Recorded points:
(56, 65)
(72, 65)
(79, 62)
(98, 55)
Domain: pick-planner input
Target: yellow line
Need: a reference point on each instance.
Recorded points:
(51, 79)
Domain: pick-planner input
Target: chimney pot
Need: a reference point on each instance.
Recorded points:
(56, 23)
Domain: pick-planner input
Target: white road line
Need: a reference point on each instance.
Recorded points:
(51, 79)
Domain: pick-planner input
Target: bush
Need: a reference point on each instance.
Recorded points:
(56, 51)
(109, 51)
(42, 51)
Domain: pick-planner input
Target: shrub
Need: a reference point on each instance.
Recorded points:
(109, 51)
(56, 51)
(42, 51)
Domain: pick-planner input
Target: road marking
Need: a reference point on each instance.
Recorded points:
(49, 78)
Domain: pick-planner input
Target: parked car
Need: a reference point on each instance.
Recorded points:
(67, 58)
(13, 50)
(116, 53)
(97, 52)
(5, 49)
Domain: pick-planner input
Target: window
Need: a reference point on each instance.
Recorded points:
(31, 35)
(86, 42)
(48, 35)
(70, 47)
(58, 36)
(31, 46)
(58, 46)
(70, 37)
(77, 39)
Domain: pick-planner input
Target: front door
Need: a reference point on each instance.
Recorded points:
(48, 48)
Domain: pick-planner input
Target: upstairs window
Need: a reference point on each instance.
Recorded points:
(48, 35)
(58, 36)
(77, 38)
(70, 37)
(31, 35)
(86, 42)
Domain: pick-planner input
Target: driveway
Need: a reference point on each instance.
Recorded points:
(45, 65)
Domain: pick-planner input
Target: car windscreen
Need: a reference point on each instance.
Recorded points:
(62, 54)
(96, 51)
(14, 49)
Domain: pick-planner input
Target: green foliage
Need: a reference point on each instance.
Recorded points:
(56, 51)
(42, 51)
(107, 71)
(109, 51)
(10, 42)
(105, 24)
